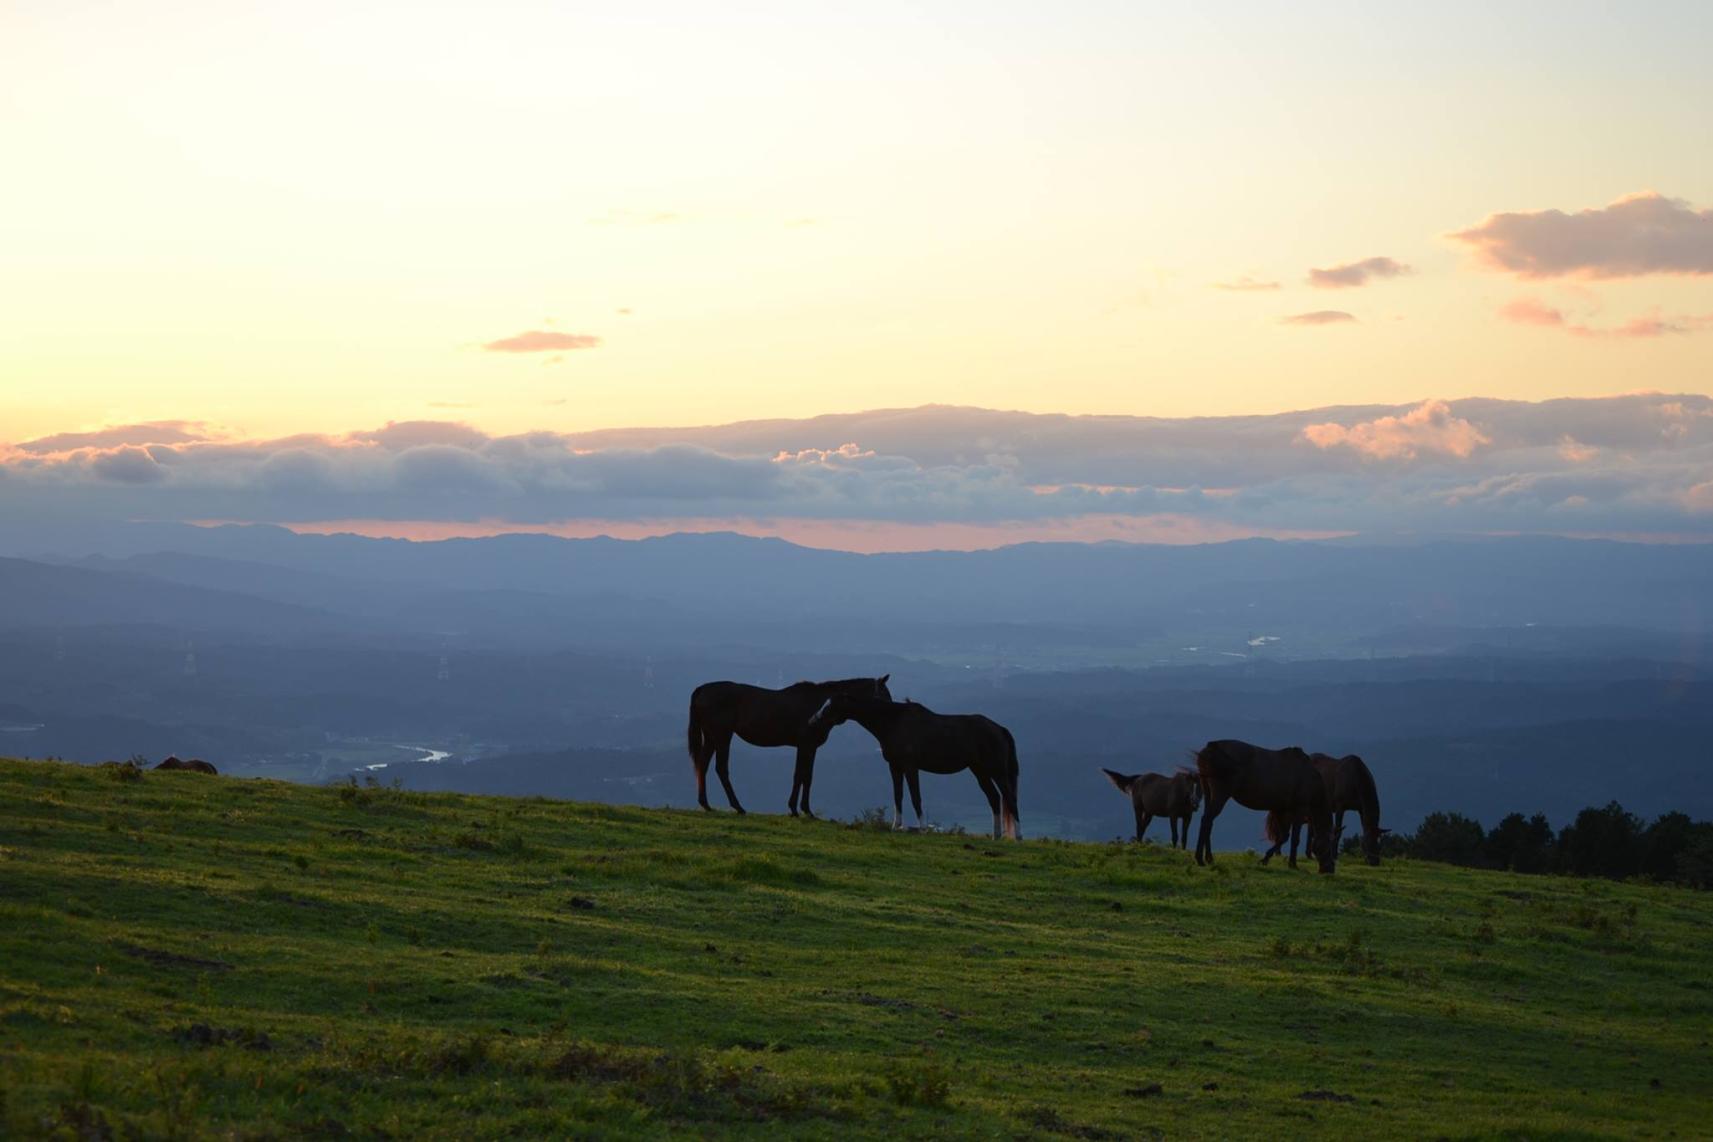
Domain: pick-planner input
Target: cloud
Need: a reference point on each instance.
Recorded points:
(151, 432)
(1531, 311)
(1353, 274)
(1630, 463)
(542, 341)
(1429, 427)
(1245, 284)
(1318, 317)
(128, 464)
(1635, 236)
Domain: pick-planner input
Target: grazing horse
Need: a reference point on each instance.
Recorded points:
(1156, 795)
(1349, 785)
(195, 765)
(764, 717)
(913, 738)
(1282, 780)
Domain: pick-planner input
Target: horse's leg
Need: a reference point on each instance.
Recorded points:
(1296, 832)
(802, 778)
(723, 770)
(1204, 842)
(915, 780)
(1172, 820)
(991, 792)
(897, 798)
(1142, 819)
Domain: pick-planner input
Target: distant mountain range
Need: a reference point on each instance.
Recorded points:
(1248, 598)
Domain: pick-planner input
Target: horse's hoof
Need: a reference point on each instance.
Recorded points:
(739, 810)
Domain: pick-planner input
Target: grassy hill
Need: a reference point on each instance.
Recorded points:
(184, 956)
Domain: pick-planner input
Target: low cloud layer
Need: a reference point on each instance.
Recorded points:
(1637, 464)
(1319, 317)
(1635, 236)
(1353, 274)
(542, 341)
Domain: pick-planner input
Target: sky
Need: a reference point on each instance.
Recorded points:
(263, 221)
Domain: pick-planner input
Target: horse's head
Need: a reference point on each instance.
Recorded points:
(835, 711)
(1190, 780)
(1324, 847)
(1371, 844)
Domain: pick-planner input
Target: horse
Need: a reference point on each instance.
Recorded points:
(765, 718)
(1156, 795)
(195, 765)
(1283, 780)
(1349, 785)
(914, 739)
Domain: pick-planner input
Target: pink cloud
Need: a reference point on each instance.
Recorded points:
(152, 432)
(1429, 427)
(1575, 451)
(865, 536)
(542, 341)
(1639, 234)
(1246, 284)
(1531, 311)
(1319, 317)
(1353, 274)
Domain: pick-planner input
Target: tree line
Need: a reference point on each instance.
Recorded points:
(1608, 842)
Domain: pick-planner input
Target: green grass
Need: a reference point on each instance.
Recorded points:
(184, 956)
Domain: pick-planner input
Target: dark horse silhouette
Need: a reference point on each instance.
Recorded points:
(913, 738)
(1284, 780)
(1349, 785)
(1156, 795)
(766, 718)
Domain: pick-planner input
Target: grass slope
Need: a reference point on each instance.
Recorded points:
(189, 956)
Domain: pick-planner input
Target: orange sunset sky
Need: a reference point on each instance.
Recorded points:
(318, 218)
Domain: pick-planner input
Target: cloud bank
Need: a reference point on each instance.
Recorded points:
(1636, 464)
(1635, 236)
(1319, 317)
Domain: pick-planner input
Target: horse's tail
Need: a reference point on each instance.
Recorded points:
(1213, 765)
(1120, 781)
(1278, 828)
(1369, 797)
(1008, 789)
(701, 750)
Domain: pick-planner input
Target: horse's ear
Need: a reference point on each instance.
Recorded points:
(883, 678)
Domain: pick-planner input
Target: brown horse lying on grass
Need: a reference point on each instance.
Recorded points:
(1156, 795)
(195, 765)
(1349, 785)
(1284, 781)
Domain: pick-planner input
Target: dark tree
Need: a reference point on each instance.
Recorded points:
(1602, 842)
(1449, 837)
(1522, 845)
